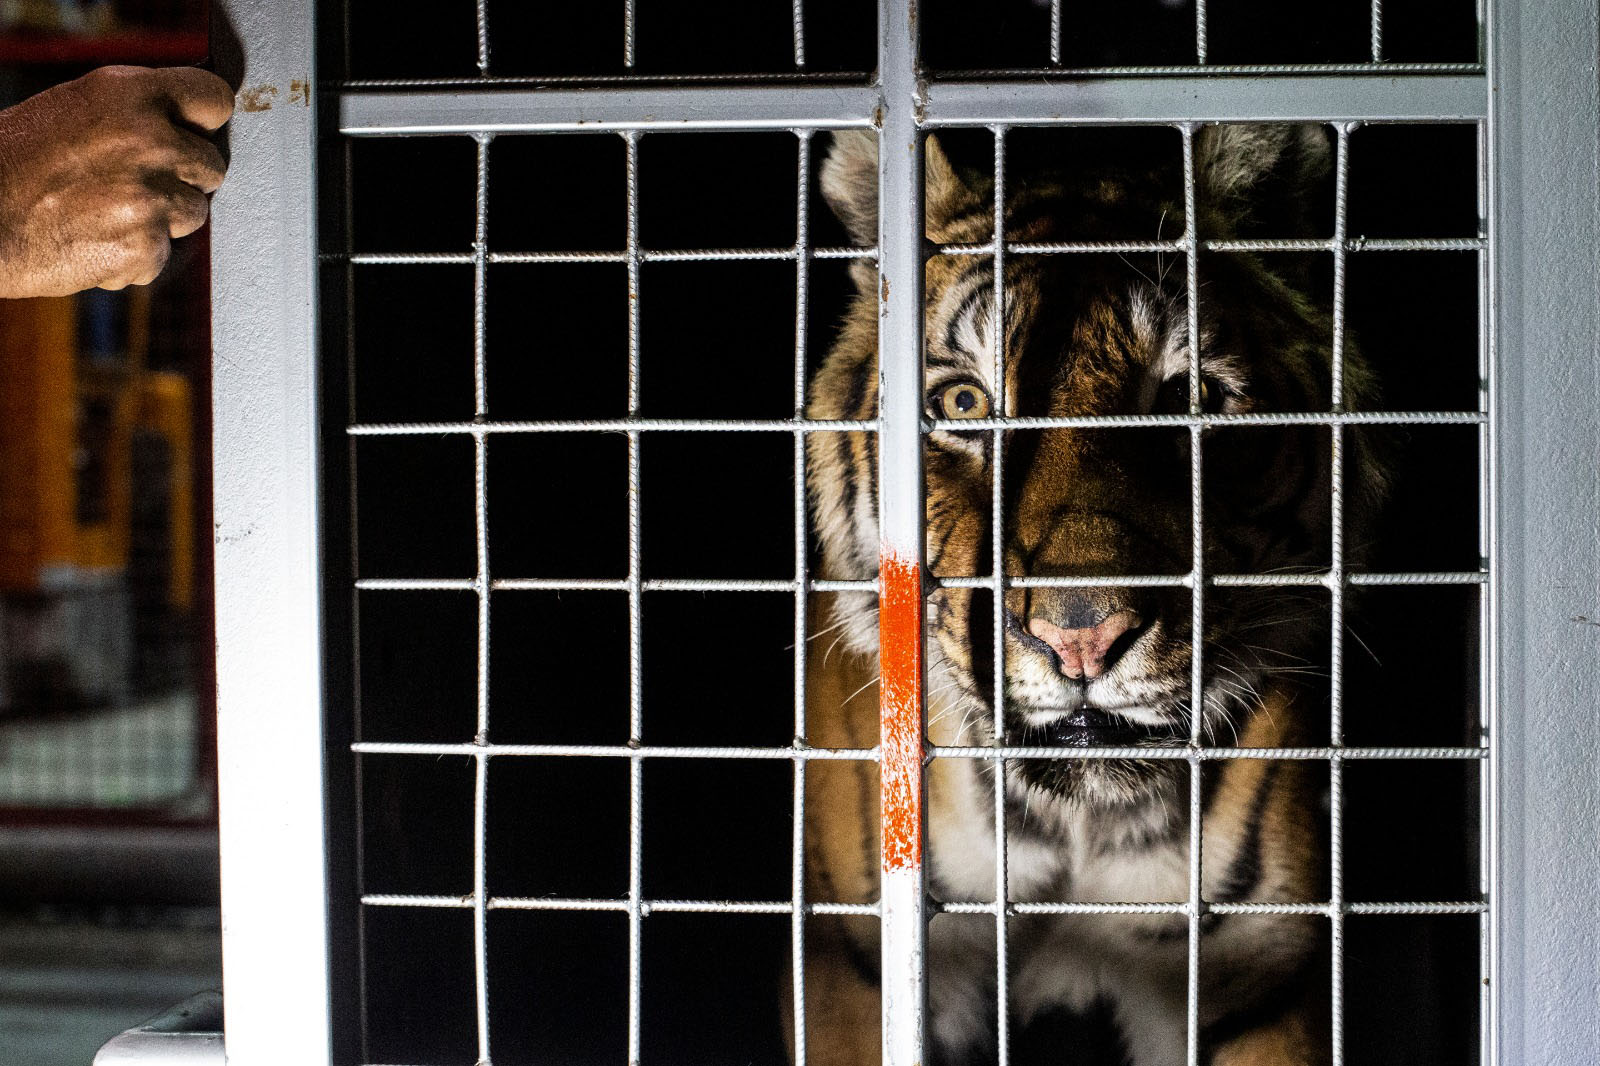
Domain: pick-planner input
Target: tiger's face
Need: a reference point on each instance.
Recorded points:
(1099, 664)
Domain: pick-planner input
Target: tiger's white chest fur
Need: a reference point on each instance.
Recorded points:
(1134, 964)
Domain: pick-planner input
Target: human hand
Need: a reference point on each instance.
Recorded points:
(97, 175)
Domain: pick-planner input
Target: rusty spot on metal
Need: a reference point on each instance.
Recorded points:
(257, 97)
(885, 289)
(300, 92)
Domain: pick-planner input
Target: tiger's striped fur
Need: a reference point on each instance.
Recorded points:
(1090, 335)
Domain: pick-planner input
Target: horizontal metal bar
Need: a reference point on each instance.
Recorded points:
(615, 425)
(784, 907)
(694, 584)
(635, 81)
(716, 255)
(1440, 577)
(1285, 418)
(1182, 907)
(684, 584)
(659, 906)
(1183, 752)
(507, 81)
(1211, 70)
(1202, 754)
(1324, 579)
(1354, 244)
(1317, 97)
(1310, 98)
(774, 107)
(685, 255)
(561, 584)
(613, 751)
(1098, 581)
(969, 425)
(1350, 244)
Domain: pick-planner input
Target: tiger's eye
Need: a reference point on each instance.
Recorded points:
(1173, 399)
(961, 399)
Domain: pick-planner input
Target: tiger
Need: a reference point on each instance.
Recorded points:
(1091, 334)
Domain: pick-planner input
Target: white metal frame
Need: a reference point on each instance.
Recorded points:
(1541, 422)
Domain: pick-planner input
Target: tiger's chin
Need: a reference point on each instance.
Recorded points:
(1082, 782)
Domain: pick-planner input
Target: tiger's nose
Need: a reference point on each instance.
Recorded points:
(1087, 653)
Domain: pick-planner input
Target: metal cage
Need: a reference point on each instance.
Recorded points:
(1533, 100)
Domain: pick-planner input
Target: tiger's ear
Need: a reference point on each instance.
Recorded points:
(850, 183)
(1259, 176)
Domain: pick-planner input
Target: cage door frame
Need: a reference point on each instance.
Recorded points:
(266, 463)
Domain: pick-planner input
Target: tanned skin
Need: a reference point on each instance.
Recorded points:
(100, 174)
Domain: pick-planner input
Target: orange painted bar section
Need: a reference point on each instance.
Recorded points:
(900, 665)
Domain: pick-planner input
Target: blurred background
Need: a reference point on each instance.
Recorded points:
(108, 867)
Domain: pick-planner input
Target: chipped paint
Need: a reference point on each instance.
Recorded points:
(258, 97)
(900, 665)
(300, 92)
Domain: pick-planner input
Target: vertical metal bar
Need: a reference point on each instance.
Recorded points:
(1336, 585)
(1002, 893)
(799, 35)
(1498, 150)
(628, 33)
(266, 461)
(797, 890)
(480, 284)
(480, 443)
(1055, 33)
(1200, 42)
(900, 516)
(483, 37)
(1486, 625)
(1377, 31)
(1191, 252)
(354, 533)
(635, 621)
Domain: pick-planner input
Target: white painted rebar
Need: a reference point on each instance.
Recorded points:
(1487, 674)
(870, 910)
(799, 33)
(1177, 750)
(635, 613)
(1336, 585)
(697, 255)
(1197, 617)
(997, 341)
(802, 575)
(481, 584)
(483, 38)
(782, 425)
(695, 584)
(629, 34)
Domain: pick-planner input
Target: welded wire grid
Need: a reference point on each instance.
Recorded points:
(483, 428)
(1202, 62)
(1375, 64)
(481, 748)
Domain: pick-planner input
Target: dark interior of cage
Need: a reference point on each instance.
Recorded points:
(717, 339)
